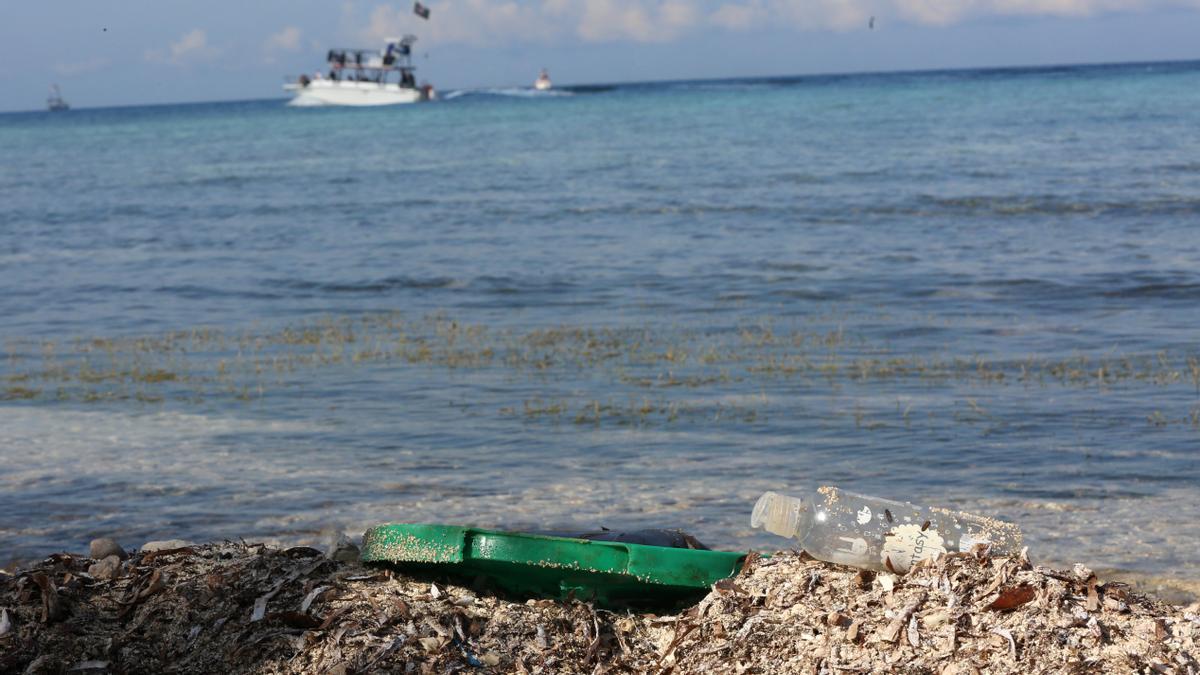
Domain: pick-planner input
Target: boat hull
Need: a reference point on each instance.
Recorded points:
(346, 93)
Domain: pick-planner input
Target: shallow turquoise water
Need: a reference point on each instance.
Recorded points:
(972, 288)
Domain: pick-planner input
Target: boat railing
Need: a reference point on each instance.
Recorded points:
(351, 66)
(355, 76)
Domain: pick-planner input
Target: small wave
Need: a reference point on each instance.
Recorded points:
(1012, 205)
(195, 292)
(383, 285)
(1072, 493)
(106, 290)
(1159, 291)
(1116, 286)
(1046, 205)
(781, 266)
(1181, 167)
(1024, 290)
(487, 284)
(811, 294)
(228, 180)
(797, 178)
(516, 92)
(508, 285)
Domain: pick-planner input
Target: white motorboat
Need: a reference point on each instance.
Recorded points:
(543, 82)
(362, 77)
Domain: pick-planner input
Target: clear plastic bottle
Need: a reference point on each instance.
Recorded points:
(853, 529)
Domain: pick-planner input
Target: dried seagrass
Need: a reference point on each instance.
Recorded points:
(241, 608)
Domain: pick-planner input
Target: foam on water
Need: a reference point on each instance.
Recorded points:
(192, 476)
(517, 92)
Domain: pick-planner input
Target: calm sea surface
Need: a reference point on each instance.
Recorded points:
(627, 306)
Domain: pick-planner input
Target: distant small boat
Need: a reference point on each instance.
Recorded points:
(55, 101)
(543, 82)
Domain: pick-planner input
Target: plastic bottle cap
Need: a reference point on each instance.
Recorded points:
(777, 514)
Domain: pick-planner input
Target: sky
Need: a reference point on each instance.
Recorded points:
(127, 52)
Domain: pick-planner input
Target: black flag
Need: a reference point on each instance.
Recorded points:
(421, 10)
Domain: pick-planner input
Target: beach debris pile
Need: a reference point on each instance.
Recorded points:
(243, 608)
(961, 613)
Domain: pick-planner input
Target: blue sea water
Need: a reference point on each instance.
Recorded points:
(623, 306)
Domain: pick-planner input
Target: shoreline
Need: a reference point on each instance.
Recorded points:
(247, 608)
(1173, 589)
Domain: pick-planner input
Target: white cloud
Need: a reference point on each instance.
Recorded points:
(605, 20)
(945, 12)
(1067, 7)
(474, 22)
(191, 47)
(827, 14)
(614, 20)
(195, 42)
(739, 15)
(492, 22)
(287, 39)
(496, 22)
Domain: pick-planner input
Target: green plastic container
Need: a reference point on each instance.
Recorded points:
(607, 573)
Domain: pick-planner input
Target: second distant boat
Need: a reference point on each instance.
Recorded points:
(543, 81)
(55, 102)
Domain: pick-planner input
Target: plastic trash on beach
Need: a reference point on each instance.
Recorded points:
(645, 568)
(852, 529)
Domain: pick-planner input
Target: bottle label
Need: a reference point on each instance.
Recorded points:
(864, 515)
(906, 545)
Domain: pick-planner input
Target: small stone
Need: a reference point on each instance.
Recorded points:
(164, 545)
(837, 619)
(103, 547)
(338, 546)
(431, 644)
(43, 664)
(935, 619)
(108, 568)
(347, 553)
(887, 582)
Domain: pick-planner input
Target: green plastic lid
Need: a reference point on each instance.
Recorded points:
(605, 572)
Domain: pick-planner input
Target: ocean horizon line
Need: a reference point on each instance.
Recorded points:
(598, 87)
